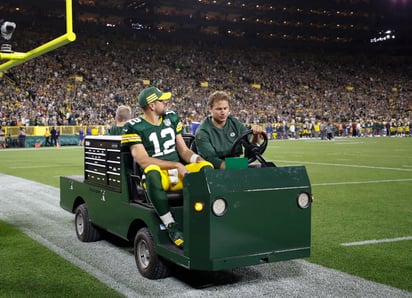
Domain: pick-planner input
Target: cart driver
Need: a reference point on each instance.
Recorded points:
(217, 132)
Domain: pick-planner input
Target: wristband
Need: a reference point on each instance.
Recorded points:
(193, 158)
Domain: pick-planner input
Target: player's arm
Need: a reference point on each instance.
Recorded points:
(142, 158)
(184, 152)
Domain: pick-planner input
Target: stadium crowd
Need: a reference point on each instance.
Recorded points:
(84, 82)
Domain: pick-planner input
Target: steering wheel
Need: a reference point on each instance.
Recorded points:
(252, 151)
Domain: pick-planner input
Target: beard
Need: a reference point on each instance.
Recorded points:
(163, 113)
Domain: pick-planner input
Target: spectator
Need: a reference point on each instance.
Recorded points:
(53, 133)
(47, 135)
(299, 92)
(88, 130)
(22, 137)
(81, 137)
(2, 137)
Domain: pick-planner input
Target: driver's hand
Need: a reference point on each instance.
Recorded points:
(257, 129)
(257, 133)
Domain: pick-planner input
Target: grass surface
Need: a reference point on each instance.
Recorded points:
(361, 187)
(44, 165)
(362, 192)
(30, 270)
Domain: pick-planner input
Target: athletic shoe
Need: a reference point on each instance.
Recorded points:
(175, 235)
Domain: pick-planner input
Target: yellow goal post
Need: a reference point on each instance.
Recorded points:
(16, 58)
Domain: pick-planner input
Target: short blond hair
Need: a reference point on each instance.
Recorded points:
(218, 96)
(123, 113)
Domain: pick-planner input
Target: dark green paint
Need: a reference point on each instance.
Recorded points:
(263, 222)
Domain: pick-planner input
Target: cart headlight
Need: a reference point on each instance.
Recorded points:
(303, 200)
(198, 206)
(219, 207)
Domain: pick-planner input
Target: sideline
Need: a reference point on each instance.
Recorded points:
(344, 165)
(72, 147)
(44, 166)
(37, 213)
(361, 182)
(377, 241)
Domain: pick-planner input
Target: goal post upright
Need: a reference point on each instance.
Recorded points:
(16, 58)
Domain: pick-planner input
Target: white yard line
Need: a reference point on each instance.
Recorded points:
(44, 166)
(342, 165)
(44, 148)
(362, 182)
(34, 209)
(377, 241)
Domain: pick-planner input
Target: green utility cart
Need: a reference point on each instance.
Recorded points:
(241, 216)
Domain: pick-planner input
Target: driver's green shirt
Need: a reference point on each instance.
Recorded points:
(214, 144)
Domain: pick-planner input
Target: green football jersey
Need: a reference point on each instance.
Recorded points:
(115, 130)
(159, 140)
(214, 144)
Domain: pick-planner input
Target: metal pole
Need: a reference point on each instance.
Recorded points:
(18, 58)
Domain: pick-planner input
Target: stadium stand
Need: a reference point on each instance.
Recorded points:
(83, 83)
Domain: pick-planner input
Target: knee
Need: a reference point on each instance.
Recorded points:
(156, 178)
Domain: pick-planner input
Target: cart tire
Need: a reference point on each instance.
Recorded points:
(85, 230)
(149, 264)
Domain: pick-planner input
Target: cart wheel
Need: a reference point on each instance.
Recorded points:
(85, 230)
(147, 261)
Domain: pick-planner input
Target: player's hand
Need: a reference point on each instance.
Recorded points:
(181, 169)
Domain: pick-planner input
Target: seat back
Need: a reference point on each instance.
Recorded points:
(190, 141)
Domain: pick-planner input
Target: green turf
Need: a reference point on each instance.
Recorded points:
(30, 270)
(44, 165)
(361, 188)
(362, 192)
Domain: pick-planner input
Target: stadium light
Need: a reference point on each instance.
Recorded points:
(383, 36)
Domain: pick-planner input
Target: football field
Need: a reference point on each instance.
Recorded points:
(361, 215)
(362, 219)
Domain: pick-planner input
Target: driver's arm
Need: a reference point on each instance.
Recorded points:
(207, 151)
